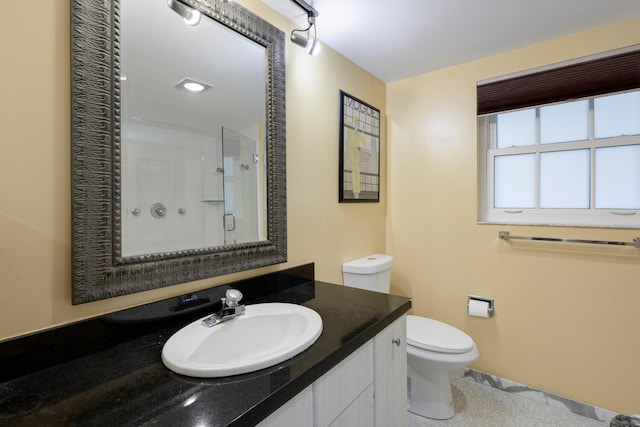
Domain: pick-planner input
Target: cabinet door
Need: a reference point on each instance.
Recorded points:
(390, 353)
(296, 412)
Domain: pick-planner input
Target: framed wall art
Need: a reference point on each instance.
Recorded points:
(359, 179)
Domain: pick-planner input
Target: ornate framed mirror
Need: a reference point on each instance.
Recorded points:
(170, 187)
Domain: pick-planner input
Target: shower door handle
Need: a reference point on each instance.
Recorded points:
(233, 217)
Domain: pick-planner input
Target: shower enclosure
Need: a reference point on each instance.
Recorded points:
(183, 189)
(240, 188)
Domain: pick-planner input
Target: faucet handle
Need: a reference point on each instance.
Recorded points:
(232, 297)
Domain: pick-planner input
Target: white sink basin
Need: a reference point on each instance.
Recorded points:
(265, 335)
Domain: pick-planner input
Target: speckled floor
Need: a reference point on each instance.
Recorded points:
(479, 405)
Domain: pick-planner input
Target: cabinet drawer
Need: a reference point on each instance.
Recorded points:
(359, 413)
(296, 412)
(335, 390)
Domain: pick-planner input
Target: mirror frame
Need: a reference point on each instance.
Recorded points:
(99, 270)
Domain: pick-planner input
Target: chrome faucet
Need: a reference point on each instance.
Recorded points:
(230, 309)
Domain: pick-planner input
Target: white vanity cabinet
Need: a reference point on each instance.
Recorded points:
(390, 351)
(368, 388)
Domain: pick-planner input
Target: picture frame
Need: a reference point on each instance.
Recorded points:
(359, 170)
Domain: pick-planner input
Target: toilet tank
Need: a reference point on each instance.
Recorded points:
(372, 272)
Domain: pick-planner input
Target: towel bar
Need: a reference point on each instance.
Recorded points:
(505, 235)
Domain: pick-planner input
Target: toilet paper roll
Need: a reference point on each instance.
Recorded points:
(478, 308)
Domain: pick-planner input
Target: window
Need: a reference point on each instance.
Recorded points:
(560, 145)
(567, 163)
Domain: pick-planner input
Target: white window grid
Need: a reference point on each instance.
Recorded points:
(586, 217)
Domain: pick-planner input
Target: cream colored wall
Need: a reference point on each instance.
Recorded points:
(35, 212)
(567, 316)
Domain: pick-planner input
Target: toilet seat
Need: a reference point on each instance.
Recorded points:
(432, 335)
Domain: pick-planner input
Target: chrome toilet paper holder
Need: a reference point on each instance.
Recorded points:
(490, 301)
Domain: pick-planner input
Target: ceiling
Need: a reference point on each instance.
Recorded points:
(397, 39)
(233, 66)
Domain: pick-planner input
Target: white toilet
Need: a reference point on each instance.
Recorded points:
(433, 348)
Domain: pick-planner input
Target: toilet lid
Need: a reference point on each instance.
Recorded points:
(433, 335)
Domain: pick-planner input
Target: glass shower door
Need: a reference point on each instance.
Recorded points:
(240, 188)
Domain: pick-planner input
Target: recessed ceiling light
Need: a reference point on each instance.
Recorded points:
(192, 86)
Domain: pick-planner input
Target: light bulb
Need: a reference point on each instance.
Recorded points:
(315, 47)
(193, 86)
(194, 18)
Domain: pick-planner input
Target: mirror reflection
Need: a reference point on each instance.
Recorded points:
(193, 131)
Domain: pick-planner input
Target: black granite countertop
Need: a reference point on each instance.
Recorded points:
(107, 370)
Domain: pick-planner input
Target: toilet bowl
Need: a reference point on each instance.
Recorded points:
(433, 347)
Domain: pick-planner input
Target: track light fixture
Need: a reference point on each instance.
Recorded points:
(191, 16)
(303, 37)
